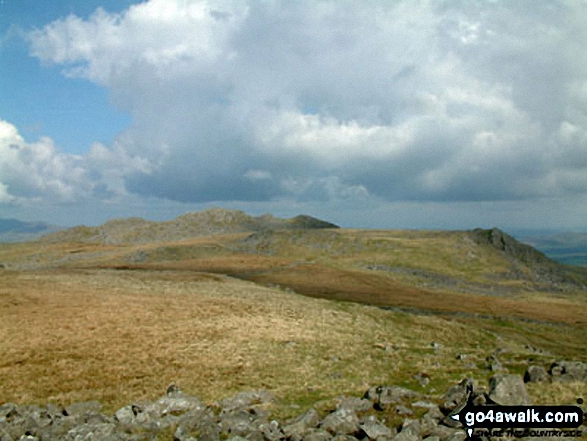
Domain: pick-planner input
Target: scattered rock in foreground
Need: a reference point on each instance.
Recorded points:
(245, 417)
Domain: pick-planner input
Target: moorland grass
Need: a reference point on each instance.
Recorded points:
(120, 336)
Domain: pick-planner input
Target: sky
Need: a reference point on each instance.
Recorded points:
(371, 114)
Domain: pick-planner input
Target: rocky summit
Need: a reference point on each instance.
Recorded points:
(384, 413)
(214, 221)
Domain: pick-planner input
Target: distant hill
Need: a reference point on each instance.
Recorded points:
(209, 222)
(13, 230)
(569, 248)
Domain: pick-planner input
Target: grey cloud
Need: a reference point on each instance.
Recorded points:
(464, 101)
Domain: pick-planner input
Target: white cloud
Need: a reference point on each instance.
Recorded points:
(29, 171)
(33, 172)
(259, 101)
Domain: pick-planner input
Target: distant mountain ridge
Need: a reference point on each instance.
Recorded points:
(214, 221)
(13, 230)
(568, 247)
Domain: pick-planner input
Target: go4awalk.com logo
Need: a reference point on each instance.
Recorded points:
(530, 418)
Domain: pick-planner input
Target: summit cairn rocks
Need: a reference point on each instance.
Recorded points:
(246, 416)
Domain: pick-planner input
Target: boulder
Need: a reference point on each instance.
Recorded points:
(341, 422)
(374, 430)
(125, 415)
(239, 423)
(405, 436)
(412, 426)
(536, 374)
(457, 396)
(494, 364)
(568, 371)
(384, 396)
(271, 431)
(245, 400)
(317, 435)
(298, 427)
(355, 404)
(94, 432)
(198, 422)
(508, 390)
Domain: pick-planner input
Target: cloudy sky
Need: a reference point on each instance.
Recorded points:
(412, 114)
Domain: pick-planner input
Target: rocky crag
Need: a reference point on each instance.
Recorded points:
(522, 256)
(384, 413)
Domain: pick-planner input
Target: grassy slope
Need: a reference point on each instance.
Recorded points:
(121, 336)
(85, 331)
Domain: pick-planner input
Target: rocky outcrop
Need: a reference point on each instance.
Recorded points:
(538, 267)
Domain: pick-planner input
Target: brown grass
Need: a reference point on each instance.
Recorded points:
(376, 289)
(122, 336)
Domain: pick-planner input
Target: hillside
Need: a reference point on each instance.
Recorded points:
(210, 222)
(439, 271)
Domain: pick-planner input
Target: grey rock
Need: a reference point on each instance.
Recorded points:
(317, 435)
(422, 378)
(176, 404)
(239, 423)
(244, 400)
(568, 371)
(403, 410)
(271, 431)
(508, 390)
(341, 422)
(494, 364)
(355, 404)
(375, 430)
(443, 432)
(480, 398)
(536, 374)
(301, 425)
(200, 423)
(384, 396)
(56, 412)
(457, 436)
(457, 396)
(412, 426)
(83, 409)
(93, 432)
(125, 415)
(405, 436)
(430, 420)
(424, 404)
(344, 438)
